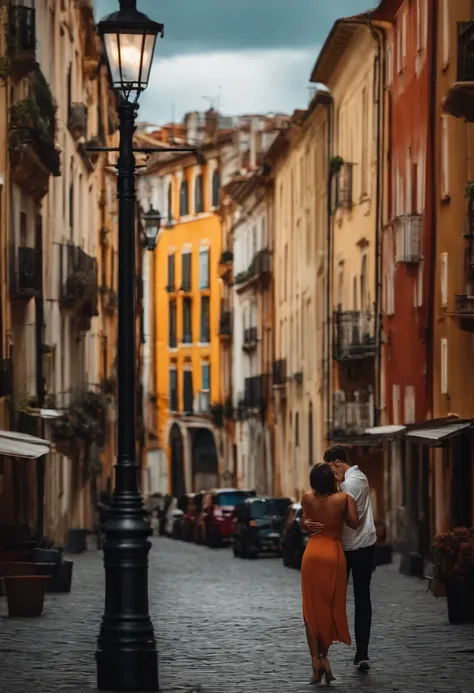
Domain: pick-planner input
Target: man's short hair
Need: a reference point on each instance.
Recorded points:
(336, 452)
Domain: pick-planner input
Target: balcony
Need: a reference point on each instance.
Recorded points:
(354, 335)
(459, 101)
(6, 377)
(344, 187)
(279, 373)
(77, 120)
(21, 40)
(409, 228)
(79, 281)
(31, 141)
(353, 413)
(260, 269)
(250, 339)
(225, 324)
(464, 302)
(25, 273)
(256, 392)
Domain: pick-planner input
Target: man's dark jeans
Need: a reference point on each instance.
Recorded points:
(361, 563)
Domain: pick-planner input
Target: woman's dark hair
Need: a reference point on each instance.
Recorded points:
(323, 480)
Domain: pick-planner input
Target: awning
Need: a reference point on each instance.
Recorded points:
(15, 444)
(388, 432)
(45, 413)
(436, 436)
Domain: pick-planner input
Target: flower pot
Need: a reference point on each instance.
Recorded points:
(25, 594)
(438, 588)
(61, 580)
(13, 568)
(17, 555)
(460, 598)
(47, 556)
(47, 569)
(76, 541)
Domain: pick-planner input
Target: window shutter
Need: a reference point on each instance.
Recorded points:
(188, 392)
(444, 366)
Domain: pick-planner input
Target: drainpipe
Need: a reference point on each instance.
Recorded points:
(39, 327)
(329, 250)
(379, 65)
(432, 187)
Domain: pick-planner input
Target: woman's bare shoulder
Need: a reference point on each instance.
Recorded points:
(307, 497)
(340, 497)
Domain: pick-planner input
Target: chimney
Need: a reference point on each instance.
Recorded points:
(212, 123)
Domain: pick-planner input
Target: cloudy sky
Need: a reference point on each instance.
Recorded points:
(242, 55)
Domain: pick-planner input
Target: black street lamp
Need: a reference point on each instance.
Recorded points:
(152, 225)
(126, 654)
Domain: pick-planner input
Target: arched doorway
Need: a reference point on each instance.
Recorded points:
(178, 484)
(205, 462)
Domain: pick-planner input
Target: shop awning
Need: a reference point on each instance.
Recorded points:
(45, 413)
(15, 444)
(436, 436)
(387, 432)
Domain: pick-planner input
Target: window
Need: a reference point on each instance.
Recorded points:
(204, 268)
(404, 39)
(186, 271)
(444, 157)
(23, 229)
(389, 64)
(172, 340)
(445, 22)
(173, 390)
(170, 203)
(444, 366)
(171, 273)
(183, 199)
(205, 335)
(187, 321)
(216, 184)
(206, 377)
(444, 279)
(297, 430)
(188, 396)
(409, 405)
(198, 195)
(396, 405)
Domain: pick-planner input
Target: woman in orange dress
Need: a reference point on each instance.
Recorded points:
(323, 572)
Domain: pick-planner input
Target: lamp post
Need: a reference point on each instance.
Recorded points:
(152, 220)
(126, 653)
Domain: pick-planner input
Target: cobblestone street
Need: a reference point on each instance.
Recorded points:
(235, 626)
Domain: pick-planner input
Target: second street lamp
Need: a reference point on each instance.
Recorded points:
(126, 654)
(152, 220)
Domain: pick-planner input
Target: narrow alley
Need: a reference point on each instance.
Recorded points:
(225, 624)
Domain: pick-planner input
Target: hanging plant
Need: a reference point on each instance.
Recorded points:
(335, 165)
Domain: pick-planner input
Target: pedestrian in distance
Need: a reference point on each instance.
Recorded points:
(359, 546)
(323, 571)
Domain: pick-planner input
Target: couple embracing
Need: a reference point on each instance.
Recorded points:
(342, 540)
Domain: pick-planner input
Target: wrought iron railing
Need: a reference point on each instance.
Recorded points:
(354, 335)
(25, 272)
(250, 338)
(279, 372)
(353, 413)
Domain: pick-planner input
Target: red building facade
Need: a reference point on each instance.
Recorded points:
(407, 244)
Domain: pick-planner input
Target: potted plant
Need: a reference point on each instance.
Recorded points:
(335, 165)
(46, 552)
(25, 594)
(453, 563)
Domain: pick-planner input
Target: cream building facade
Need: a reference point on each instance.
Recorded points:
(298, 164)
(53, 223)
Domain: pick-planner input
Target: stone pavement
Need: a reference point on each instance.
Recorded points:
(226, 624)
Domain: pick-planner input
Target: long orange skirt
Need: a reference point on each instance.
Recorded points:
(324, 587)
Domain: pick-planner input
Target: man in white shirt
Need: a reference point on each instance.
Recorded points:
(358, 544)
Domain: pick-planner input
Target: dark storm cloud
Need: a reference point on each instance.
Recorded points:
(208, 26)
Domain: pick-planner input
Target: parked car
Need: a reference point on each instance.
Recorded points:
(257, 526)
(216, 521)
(294, 537)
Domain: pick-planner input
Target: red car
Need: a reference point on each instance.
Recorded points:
(218, 514)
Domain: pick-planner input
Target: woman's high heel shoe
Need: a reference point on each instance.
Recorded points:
(327, 671)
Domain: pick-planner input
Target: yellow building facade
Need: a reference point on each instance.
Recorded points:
(186, 306)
